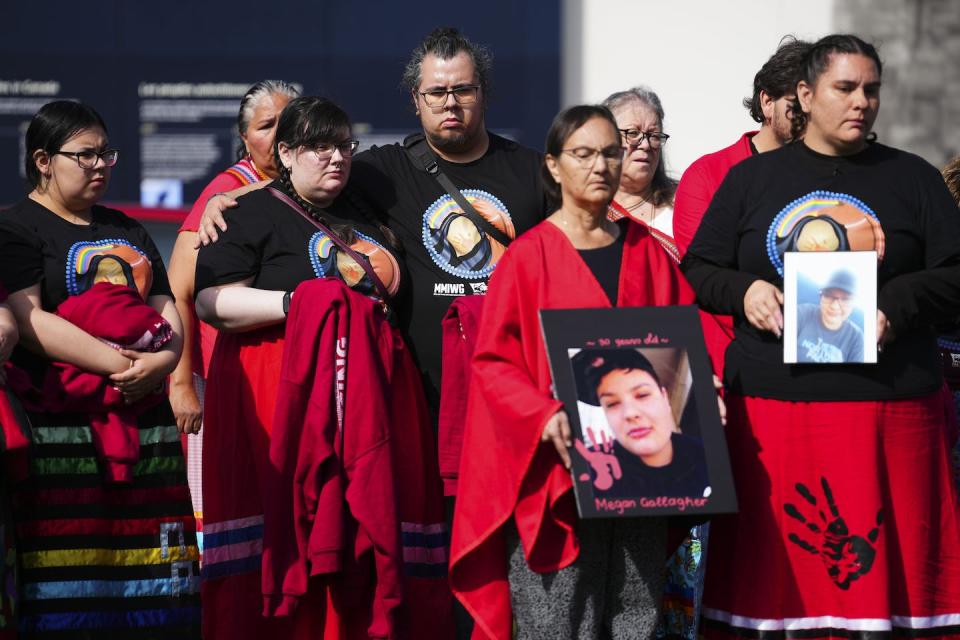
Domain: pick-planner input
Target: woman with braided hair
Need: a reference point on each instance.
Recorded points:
(295, 229)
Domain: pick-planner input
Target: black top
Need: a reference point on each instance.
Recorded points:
(685, 476)
(605, 263)
(446, 254)
(39, 247)
(880, 198)
(279, 248)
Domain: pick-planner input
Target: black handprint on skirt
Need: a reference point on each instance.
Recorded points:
(846, 557)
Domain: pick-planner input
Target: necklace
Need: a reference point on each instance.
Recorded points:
(637, 205)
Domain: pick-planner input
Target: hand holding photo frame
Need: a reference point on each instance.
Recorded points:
(830, 307)
(637, 386)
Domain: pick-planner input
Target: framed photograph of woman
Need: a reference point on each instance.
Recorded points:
(830, 307)
(637, 386)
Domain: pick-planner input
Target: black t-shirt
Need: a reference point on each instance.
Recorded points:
(446, 254)
(685, 476)
(880, 198)
(279, 248)
(605, 263)
(39, 247)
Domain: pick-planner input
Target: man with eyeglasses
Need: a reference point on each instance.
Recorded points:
(774, 90)
(825, 332)
(447, 252)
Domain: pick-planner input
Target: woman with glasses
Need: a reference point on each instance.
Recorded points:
(849, 522)
(291, 231)
(100, 553)
(260, 109)
(646, 192)
(517, 544)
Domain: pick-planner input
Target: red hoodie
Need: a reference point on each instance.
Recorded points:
(335, 510)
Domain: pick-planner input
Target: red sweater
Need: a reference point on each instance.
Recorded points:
(694, 193)
(335, 510)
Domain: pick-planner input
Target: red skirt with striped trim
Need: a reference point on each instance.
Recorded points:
(849, 523)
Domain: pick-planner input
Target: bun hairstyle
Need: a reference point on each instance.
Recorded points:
(817, 60)
(253, 97)
(591, 365)
(51, 127)
(562, 127)
(306, 122)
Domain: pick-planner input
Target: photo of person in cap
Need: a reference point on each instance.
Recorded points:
(655, 459)
(825, 331)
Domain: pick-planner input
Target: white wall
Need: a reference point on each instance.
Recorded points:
(700, 57)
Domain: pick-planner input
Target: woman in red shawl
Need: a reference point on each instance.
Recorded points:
(517, 543)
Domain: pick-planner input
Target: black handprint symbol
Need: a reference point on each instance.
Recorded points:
(846, 557)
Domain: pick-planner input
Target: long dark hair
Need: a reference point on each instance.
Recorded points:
(51, 127)
(563, 126)
(817, 60)
(307, 122)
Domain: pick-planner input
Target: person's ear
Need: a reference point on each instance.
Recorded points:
(553, 166)
(42, 160)
(416, 104)
(767, 106)
(804, 95)
(286, 155)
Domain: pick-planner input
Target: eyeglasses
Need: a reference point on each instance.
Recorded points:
(845, 301)
(88, 159)
(324, 150)
(465, 94)
(636, 137)
(586, 156)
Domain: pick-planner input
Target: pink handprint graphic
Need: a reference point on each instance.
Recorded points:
(601, 459)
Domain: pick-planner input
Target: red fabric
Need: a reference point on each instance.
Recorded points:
(459, 328)
(890, 458)
(204, 335)
(350, 425)
(698, 184)
(238, 420)
(508, 471)
(694, 193)
(331, 449)
(115, 313)
(616, 211)
(14, 423)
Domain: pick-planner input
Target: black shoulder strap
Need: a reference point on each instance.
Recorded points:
(422, 157)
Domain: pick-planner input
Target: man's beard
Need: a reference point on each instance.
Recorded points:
(456, 143)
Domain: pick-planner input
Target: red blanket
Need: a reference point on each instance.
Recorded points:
(117, 315)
